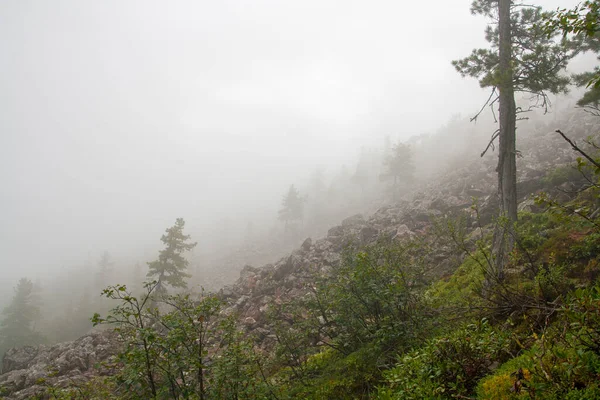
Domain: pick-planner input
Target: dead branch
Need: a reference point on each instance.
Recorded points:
(577, 149)
(491, 143)
(474, 118)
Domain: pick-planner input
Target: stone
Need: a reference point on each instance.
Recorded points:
(335, 231)
(402, 232)
(248, 270)
(18, 358)
(307, 244)
(354, 220)
(241, 301)
(368, 234)
(58, 365)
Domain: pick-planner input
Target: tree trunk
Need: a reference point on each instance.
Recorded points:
(503, 241)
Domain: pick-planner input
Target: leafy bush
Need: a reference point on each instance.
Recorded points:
(168, 350)
(375, 296)
(447, 366)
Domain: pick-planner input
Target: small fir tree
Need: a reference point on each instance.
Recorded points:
(171, 265)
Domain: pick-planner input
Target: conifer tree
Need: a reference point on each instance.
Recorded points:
(18, 318)
(170, 268)
(292, 207)
(521, 58)
(399, 166)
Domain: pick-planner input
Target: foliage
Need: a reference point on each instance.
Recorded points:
(447, 366)
(583, 23)
(537, 58)
(171, 265)
(563, 362)
(166, 352)
(17, 325)
(237, 370)
(511, 381)
(356, 317)
(374, 295)
(98, 388)
(462, 288)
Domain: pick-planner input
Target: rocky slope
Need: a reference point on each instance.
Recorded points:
(26, 371)
(541, 150)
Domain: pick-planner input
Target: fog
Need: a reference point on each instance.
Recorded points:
(120, 116)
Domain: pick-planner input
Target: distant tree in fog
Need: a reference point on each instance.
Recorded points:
(170, 268)
(399, 166)
(17, 326)
(292, 207)
(105, 265)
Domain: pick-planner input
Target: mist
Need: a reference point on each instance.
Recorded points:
(118, 117)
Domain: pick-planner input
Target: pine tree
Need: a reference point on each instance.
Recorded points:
(171, 265)
(17, 326)
(522, 58)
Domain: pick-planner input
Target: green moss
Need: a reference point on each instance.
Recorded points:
(462, 287)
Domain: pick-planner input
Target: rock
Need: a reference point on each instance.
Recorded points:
(286, 267)
(336, 231)
(368, 234)
(18, 358)
(322, 245)
(525, 188)
(226, 291)
(241, 301)
(332, 259)
(307, 244)
(354, 220)
(472, 192)
(248, 270)
(528, 206)
(403, 232)
(58, 365)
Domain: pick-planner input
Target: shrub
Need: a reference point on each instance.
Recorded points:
(447, 366)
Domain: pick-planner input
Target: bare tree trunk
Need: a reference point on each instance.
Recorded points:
(503, 241)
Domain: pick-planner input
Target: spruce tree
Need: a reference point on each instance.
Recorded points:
(170, 268)
(18, 319)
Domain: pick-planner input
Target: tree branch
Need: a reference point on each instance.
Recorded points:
(577, 149)
(491, 143)
(474, 118)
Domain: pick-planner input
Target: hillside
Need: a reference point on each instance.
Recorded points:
(271, 301)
